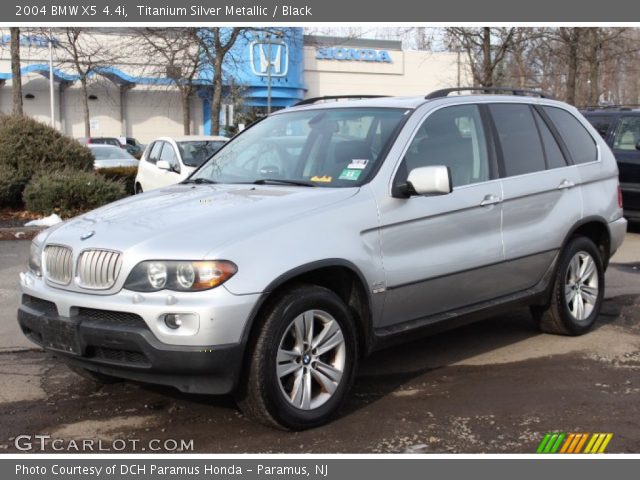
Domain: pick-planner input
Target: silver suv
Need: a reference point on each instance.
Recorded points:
(326, 231)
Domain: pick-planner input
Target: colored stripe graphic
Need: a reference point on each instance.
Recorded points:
(558, 442)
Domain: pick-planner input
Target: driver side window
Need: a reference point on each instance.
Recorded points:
(454, 137)
(154, 153)
(169, 155)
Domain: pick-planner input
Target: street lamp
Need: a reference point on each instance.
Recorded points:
(270, 65)
(51, 97)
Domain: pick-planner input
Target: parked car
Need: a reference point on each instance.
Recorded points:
(100, 141)
(133, 146)
(170, 160)
(134, 150)
(108, 156)
(620, 128)
(324, 232)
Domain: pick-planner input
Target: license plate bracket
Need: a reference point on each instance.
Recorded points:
(60, 335)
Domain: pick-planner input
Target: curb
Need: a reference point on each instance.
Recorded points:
(19, 233)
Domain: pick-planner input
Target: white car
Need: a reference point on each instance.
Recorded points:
(108, 156)
(167, 161)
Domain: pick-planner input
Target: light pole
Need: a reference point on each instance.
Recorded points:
(270, 65)
(51, 97)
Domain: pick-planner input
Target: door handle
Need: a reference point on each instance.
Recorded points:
(566, 184)
(490, 200)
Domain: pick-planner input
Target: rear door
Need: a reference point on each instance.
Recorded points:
(542, 200)
(626, 138)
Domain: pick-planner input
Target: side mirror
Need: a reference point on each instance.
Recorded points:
(163, 165)
(434, 180)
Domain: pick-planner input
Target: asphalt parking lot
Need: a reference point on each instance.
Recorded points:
(495, 386)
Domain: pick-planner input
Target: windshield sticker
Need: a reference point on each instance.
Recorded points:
(358, 164)
(322, 179)
(350, 174)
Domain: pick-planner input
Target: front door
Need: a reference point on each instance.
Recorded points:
(439, 251)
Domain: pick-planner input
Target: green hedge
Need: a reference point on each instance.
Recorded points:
(12, 184)
(70, 192)
(28, 147)
(125, 175)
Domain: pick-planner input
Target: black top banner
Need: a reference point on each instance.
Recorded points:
(303, 11)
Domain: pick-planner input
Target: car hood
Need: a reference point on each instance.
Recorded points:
(189, 221)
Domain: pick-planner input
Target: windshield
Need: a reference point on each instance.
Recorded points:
(110, 153)
(194, 153)
(334, 147)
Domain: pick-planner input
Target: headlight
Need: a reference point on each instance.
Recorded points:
(35, 257)
(181, 276)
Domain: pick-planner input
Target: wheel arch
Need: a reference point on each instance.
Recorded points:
(595, 228)
(338, 275)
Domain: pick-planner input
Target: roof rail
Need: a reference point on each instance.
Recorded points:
(514, 91)
(312, 100)
(609, 107)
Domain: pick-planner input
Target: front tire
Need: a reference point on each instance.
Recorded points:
(577, 292)
(303, 362)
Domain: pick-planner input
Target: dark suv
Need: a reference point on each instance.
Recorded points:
(620, 128)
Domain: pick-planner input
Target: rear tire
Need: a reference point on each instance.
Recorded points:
(303, 360)
(577, 292)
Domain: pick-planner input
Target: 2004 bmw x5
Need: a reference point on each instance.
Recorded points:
(324, 231)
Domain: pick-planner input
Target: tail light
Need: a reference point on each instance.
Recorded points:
(619, 197)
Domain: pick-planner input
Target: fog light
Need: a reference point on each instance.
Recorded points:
(173, 320)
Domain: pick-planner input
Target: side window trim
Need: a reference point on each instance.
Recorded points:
(556, 135)
(491, 134)
(544, 148)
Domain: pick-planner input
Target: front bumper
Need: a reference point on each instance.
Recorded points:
(123, 346)
(218, 316)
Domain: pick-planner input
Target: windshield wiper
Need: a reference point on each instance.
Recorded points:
(199, 181)
(281, 181)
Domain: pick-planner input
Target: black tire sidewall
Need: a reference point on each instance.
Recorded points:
(574, 326)
(285, 311)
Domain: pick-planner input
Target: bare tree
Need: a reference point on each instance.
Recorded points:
(86, 54)
(570, 38)
(181, 61)
(485, 47)
(216, 43)
(16, 75)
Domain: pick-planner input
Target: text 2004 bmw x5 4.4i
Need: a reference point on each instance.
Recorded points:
(323, 232)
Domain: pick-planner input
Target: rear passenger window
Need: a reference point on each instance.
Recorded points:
(519, 139)
(580, 143)
(553, 154)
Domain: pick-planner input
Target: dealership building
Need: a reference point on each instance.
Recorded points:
(132, 95)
